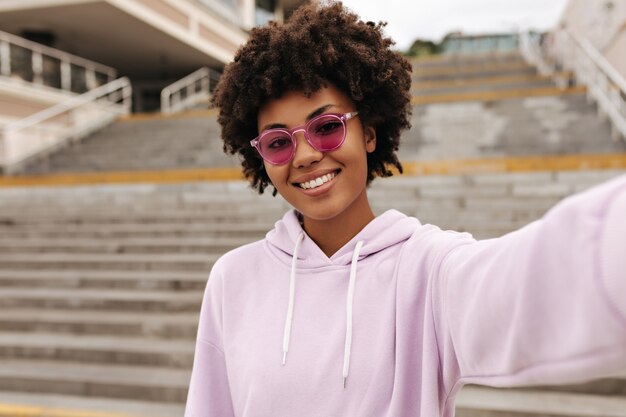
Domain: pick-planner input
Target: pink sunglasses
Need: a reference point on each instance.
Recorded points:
(324, 133)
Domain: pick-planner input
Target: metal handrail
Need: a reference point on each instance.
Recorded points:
(122, 84)
(196, 86)
(532, 52)
(38, 133)
(605, 85)
(66, 61)
(601, 62)
(56, 53)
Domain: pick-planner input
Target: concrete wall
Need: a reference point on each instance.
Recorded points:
(603, 23)
(19, 99)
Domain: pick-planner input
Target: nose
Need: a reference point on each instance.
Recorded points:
(305, 154)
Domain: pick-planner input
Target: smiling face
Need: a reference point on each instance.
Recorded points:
(321, 186)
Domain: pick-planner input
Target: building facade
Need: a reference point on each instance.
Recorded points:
(153, 42)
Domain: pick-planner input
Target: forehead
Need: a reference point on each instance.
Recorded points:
(294, 107)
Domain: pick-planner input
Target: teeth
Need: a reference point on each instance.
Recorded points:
(314, 183)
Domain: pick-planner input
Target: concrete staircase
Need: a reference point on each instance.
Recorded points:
(487, 105)
(143, 143)
(100, 289)
(496, 106)
(100, 286)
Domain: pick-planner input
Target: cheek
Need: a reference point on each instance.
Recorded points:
(357, 154)
(276, 173)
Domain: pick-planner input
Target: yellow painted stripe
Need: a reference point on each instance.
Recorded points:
(517, 164)
(191, 114)
(497, 95)
(470, 68)
(164, 176)
(442, 167)
(487, 81)
(14, 410)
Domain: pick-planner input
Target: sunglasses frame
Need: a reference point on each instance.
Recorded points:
(343, 118)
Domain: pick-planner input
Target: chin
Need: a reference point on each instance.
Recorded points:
(327, 212)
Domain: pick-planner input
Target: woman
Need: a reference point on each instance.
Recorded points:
(341, 313)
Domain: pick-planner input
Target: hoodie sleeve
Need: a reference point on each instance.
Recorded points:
(209, 392)
(545, 304)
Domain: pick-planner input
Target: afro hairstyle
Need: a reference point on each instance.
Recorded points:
(318, 45)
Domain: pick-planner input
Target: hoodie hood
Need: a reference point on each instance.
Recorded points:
(388, 229)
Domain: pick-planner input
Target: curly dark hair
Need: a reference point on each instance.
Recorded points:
(319, 44)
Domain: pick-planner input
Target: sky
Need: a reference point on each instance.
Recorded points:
(408, 20)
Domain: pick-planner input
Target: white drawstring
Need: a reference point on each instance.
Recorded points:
(349, 302)
(348, 345)
(292, 292)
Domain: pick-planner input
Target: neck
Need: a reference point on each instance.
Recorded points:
(332, 234)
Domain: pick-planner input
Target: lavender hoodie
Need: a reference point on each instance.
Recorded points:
(411, 313)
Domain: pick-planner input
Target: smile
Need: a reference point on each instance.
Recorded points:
(316, 182)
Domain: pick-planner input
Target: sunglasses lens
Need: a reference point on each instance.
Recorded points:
(276, 147)
(326, 133)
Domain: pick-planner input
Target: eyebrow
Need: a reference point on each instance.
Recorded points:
(311, 115)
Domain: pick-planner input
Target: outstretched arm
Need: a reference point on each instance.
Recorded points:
(545, 304)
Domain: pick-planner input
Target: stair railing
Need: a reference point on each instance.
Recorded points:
(566, 51)
(605, 85)
(536, 52)
(32, 62)
(532, 51)
(189, 91)
(57, 125)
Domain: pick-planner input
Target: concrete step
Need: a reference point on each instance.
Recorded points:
(447, 60)
(551, 125)
(171, 200)
(523, 109)
(487, 204)
(505, 79)
(24, 215)
(472, 402)
(472, 72)
(496, 95)
(158, 145)
(90, 163)
(78, 299)
(25, 404)
(121, 261)
(197, 145)
(486, 85)
(120, 245)
(96, 349)
(170, 195)
(148, 325)
(127, 280)
(197, 205)
(139, 230)
(475, 401)
(88, 380)
(190, 156)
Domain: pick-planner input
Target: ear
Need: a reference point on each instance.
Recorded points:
(370, 138)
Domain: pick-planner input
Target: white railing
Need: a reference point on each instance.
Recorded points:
(70, 120)
(42, 65)
(605, 85)
(532, 51)
(536, 53)
(189, 91)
